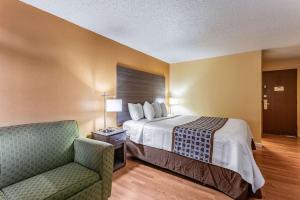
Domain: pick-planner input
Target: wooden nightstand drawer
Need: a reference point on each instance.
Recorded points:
(118, 140)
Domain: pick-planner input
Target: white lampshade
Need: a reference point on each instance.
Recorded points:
(173, 101)
(113, 105)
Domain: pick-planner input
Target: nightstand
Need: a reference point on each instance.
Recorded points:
(118, 139)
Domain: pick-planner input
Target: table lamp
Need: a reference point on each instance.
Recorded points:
(173, 101)
(110, 105)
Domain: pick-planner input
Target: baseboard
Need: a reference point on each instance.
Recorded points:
(258, 145)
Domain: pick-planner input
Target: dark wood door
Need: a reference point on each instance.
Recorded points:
(280, 102)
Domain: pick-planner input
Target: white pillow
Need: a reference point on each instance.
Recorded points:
(164, 112)
(136, 111)
(149, 111)
(157, 109)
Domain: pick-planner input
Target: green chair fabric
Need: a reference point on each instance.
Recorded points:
(49, 161)
(60, 183)
(87, 153)
(28, 150)
(2, 196)
(93, 192)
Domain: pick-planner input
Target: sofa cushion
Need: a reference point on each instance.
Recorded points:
(94, 192)
(28, 150)
(59, 183)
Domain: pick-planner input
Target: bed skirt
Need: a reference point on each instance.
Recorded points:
(224, 180)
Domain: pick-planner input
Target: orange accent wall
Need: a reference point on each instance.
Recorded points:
(51, 69)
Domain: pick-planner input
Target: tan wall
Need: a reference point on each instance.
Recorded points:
(228, 86)
(52, 70)
(272, 65)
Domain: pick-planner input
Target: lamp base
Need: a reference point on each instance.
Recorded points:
(109, 131)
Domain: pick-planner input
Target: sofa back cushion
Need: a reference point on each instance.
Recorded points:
(31, 149)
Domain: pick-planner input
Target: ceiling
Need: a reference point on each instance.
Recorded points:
(292, 52)
(182, 30)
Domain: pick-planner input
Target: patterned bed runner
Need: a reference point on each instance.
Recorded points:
(195, 139)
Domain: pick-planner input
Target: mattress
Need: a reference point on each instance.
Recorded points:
(231, 149)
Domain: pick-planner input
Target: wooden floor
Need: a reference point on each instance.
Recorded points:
(279, 161)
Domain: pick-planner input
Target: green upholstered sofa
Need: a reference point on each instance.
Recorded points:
(50, 161)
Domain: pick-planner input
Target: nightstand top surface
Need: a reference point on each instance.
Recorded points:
(114, 132)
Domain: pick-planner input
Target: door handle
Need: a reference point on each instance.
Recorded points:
(266, 104)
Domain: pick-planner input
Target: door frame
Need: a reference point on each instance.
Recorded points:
(282, 68)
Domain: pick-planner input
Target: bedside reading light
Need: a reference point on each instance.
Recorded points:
(113, 105)
(110, 105)
(173, 101)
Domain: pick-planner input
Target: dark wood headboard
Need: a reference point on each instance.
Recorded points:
(134, 86)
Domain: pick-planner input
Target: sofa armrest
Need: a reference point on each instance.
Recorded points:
(97, 156)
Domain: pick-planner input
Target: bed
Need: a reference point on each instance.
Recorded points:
(232, 169)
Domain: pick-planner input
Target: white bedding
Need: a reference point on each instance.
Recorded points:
(231, 150)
